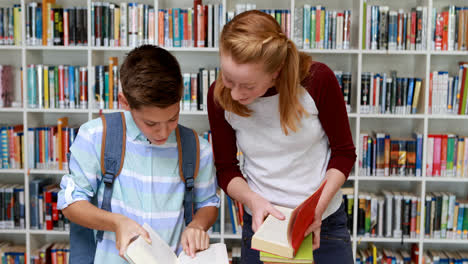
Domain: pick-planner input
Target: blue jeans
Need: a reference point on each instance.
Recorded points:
(335, 241)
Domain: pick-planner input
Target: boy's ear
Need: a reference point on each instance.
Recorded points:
(123, 101)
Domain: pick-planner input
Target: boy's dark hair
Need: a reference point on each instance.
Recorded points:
(151, 76)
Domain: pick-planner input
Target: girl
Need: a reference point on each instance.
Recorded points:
(287, 115)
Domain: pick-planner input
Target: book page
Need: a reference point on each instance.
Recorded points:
(158, 252)
(272, 235)
(215, 254)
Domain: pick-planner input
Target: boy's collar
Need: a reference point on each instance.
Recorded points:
(133, 132)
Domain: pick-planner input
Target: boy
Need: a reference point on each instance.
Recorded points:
(149, 188)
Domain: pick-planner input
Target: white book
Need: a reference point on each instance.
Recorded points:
(205, 88)
(123, 24)
(216, 22)
(159, 252)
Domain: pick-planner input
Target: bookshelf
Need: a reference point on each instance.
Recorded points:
(415, 63)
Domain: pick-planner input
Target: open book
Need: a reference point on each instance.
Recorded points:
(159, 252)
(283, 238)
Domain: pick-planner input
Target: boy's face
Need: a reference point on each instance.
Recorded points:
(154, 122)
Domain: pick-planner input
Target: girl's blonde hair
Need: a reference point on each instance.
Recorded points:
(255, 37)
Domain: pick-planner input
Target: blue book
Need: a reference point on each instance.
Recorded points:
(419, 152)
(409, 101)
(176, 18)
(325, 38)
(71, 86)
(4, 148)
(231, 214)
(39, 25)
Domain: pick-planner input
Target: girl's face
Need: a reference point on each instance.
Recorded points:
(246, 81)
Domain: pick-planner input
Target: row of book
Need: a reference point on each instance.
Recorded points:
(236, 213)
(10, 253)
(11, 147)
(126, 24)
(6, 85)
(62, 86)
(197, 26)
(385, 29)
(392, 214)
(382, 155)
(373, 254)
(196, 87)
(449, 94)
(57, 253)
(107, 85)
(446, 217)
(450, 28)
(12, 213)
(398, 215)
(10, 25)
(282, 16)
(447, 156)
(50, 145)
(345, 82)
(318, 28)
(389, 94)
(43, 206)
(51, 24)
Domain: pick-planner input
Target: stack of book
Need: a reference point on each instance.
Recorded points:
(62, 86)
(382, 155)
(450, 28)
(389, 94)
(10, 253)
(447, 156)
(51, 253)
(11, 147)
(10, 25)
(449, 94)
(12, 213)
(318, 28)
(385, 29)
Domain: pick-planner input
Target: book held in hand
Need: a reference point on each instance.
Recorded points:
(159, 252)
(283, 238)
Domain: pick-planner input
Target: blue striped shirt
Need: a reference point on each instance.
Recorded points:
(149, 188)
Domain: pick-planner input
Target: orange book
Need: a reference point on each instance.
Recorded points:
(283, 238)
(161, 28)
(45, 20)
(112, 62)
(61, 123)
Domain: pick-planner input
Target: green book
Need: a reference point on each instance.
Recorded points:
(304, 254)
(364, 23)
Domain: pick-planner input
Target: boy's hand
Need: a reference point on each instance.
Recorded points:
(125, 230)
(194, 239)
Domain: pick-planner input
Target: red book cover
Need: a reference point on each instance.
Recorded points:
(436, 155)
(61, 86)
(205, 24)
(195, 21)
(185, 42)
(445, 16)
(302, 217)
(443, 155)
(413, 28)
(462, 90)
(48, 208)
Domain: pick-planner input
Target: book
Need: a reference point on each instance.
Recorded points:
(283, 238)
(304, 254)
(158, 252)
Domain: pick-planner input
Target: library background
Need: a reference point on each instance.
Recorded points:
(402, 66)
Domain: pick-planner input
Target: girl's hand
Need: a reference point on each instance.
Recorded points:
(261, 208)
(314, 228)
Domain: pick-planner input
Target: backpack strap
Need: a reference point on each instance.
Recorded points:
(112, 155)
(189, 162)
